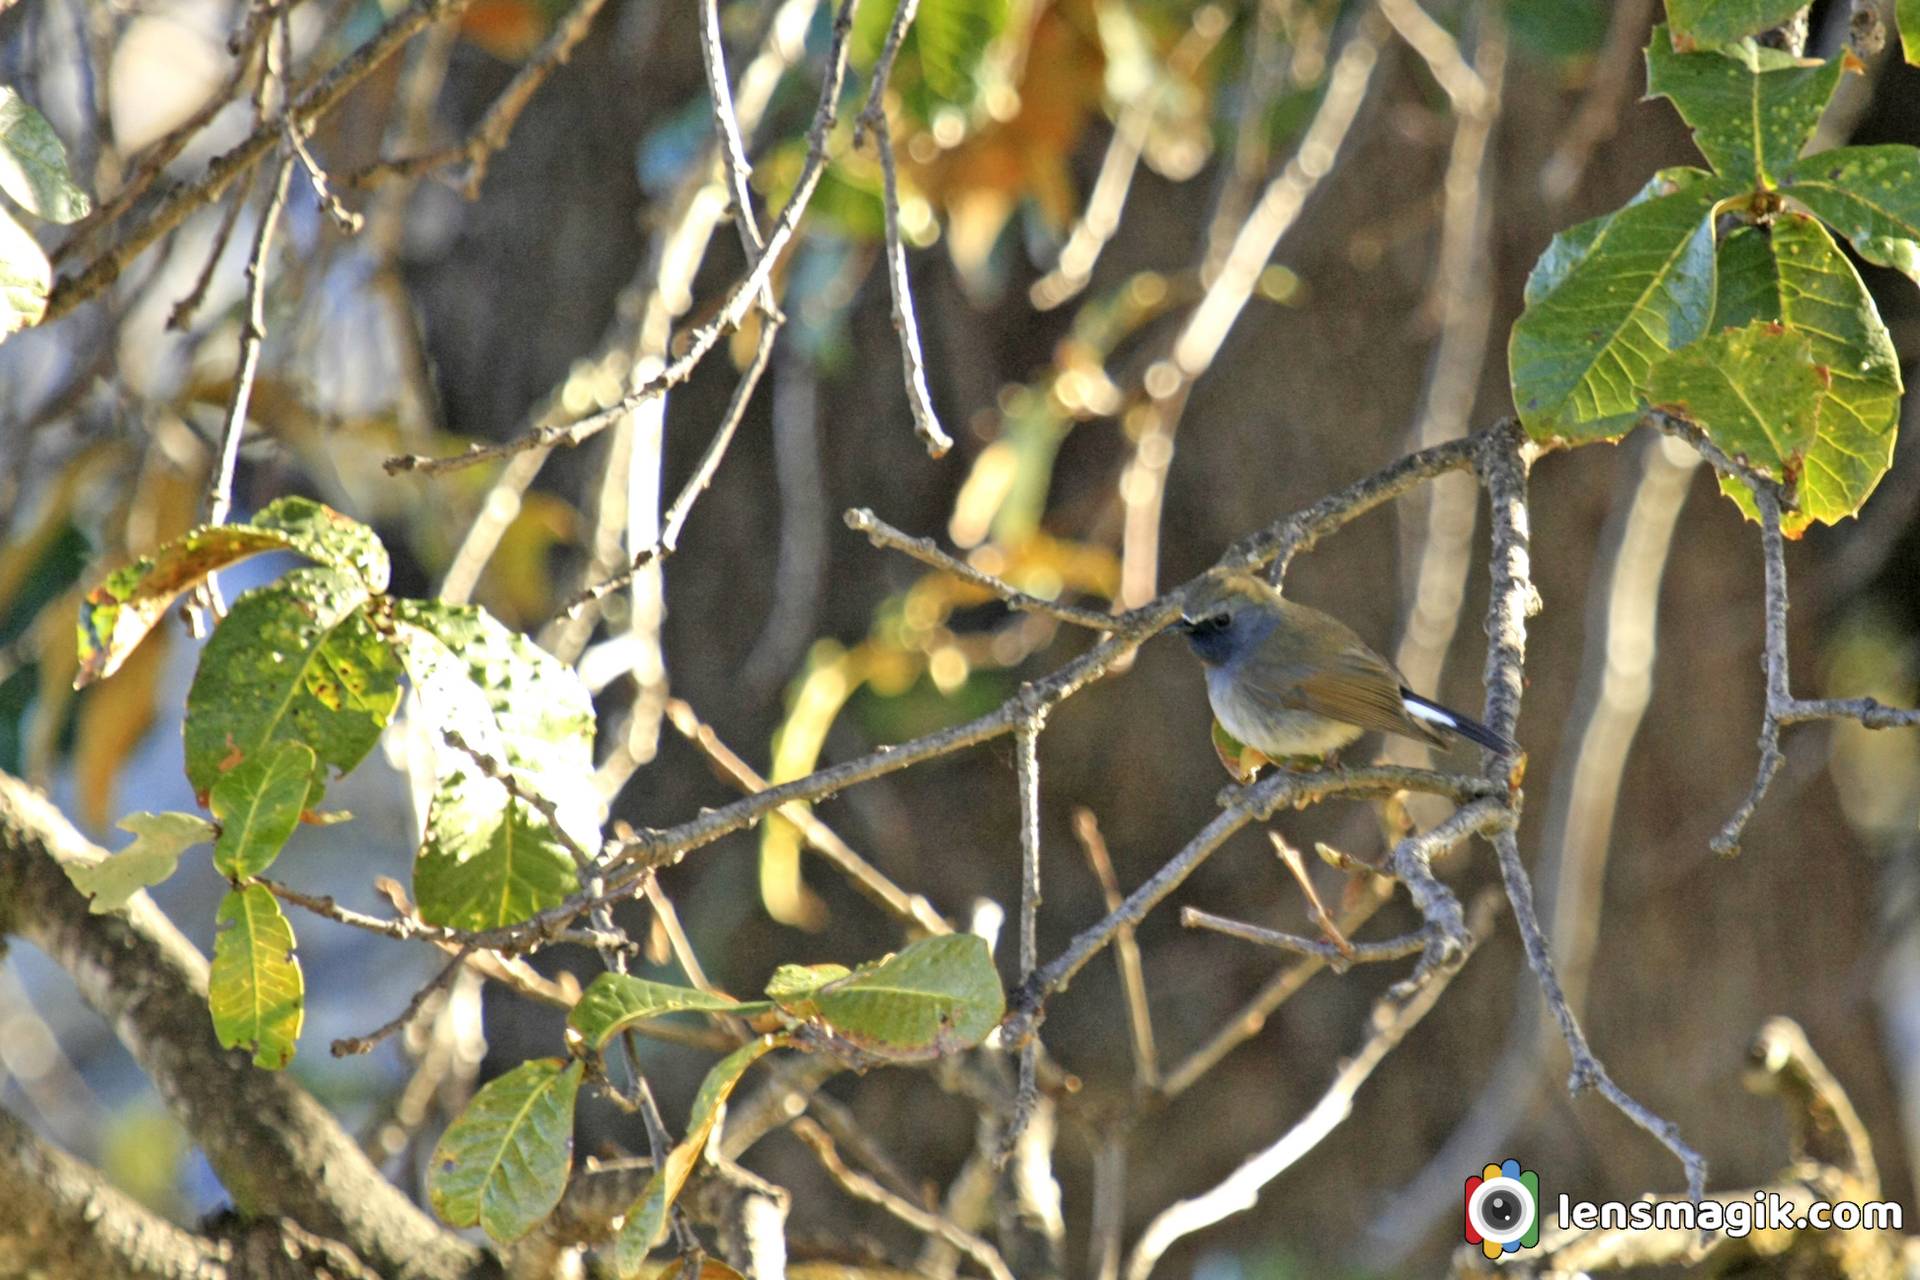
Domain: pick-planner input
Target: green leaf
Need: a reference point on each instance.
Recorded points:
(1642, 286)
(258, 804)
(947, 43)
(1569, 248)
(33, 163)
(255, 989)
(26, 277)
(1752, 110)
(159, 840)
(953, 37)
(1870, 195)
(489, 858)
(1907, 13)
(793, 986)
(1717, 22)
(298, 661)
(504, 1163)
(117, 615)
(1753, 390)
(1798, 276)
(647, 1220)
(613, 1002)
(931, 998)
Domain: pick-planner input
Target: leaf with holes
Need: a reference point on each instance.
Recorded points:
(119, 613)
(1795, 274)
(1755, 392)
(1870, 195)
(647, 1219)
(159, 840)
(33, 163)
(254, 988)
(1716, 22)
(504, 1163)
(1752, 110)
(297, 661)
(614, 1002)
(1609, 304)
(258, 804)
(933, 997)
(489, 858)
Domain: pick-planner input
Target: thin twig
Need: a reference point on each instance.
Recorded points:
(1358, 952)
(1169, 382)
(1251, 1017)
(348, 1046)
(909, 908)
(873, 119)
(1393, 1017)
(317, 101)
(1126, 950)
(927, 552)
(1503, 467)
(1782, 707)
(495, 127)
(253, 333)
(1027, 770)
(861, 1187)
(1255, 803)
(699, 481)
(182, 314)
(740, 300)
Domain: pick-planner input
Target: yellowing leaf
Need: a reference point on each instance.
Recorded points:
(159, 840)
(647, 1220)
(255, 989)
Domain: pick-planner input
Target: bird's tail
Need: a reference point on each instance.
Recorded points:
(1432, 713)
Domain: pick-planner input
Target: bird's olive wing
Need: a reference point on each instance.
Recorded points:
(1360, 689)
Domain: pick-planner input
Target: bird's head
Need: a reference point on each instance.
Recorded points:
(1226, 611)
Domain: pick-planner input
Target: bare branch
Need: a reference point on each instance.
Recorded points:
(1126, 950)
(339, 80)
(1361, 952)
(1027, 768)
(1393, 1017)
(349, 1046)
(65, 1221)
(927, 552)
(861, 1187)
(1782, 707)
(926, 423)
(495, 128)
(742, 297)
(909, 908)
(259, 1129)
(1503, 466)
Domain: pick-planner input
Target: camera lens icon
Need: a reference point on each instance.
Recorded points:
(1503, 1208)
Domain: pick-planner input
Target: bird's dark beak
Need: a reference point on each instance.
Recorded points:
(1184, 625)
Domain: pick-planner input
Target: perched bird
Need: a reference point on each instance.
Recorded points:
(1287, 680)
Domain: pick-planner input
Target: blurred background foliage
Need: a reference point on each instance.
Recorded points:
(447, 319)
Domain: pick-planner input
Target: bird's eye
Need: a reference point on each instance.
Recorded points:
(1209, 625)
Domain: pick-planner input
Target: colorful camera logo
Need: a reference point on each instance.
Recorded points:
(1503, 1208)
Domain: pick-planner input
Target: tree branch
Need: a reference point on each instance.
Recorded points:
(277, 1150)
(64, 1221)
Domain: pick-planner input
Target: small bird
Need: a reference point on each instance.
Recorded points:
(1290, 681)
